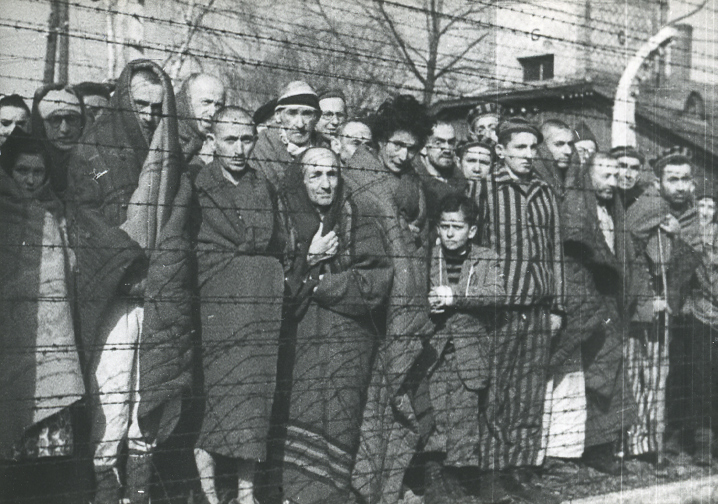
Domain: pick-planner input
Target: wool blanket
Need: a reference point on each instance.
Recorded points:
(39, 363)
(332, 344)
(241, 280)
(128, 215)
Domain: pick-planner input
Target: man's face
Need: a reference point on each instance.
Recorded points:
(147, 100)
(585, 149)
(476, 163)
(321, 181)
(706, 211)
(334, 113)
(677, 184)
(519, 153)
(629, 169)
(234, 141)
(29, 172)
(399, 151)
(95, 105)
(454, 231)
(10, 118)
(298, 123)
(440, 147)
(207, 98)
(558, 141)
(352, 136)
(63, 129)
(484, 128)
(604, 175)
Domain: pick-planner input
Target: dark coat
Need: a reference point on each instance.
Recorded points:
(270, 155)
(335, 335)
(436, 189)
(241, 283)
(105, 170)
(390, 430)
(598, 310)
(462, 345)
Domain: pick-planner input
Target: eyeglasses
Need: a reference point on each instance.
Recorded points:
(55, 121)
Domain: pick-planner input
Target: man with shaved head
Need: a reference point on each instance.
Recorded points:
(238, 248)
(199, 99)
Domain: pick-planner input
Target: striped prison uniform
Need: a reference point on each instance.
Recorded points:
(523, 228)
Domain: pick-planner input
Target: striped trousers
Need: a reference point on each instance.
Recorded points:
(512, 408)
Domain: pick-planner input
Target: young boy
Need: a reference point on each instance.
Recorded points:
(476, 160)
(466, 282)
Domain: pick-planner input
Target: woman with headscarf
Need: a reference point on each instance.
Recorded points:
(337, 283)
(58, 119)
(40, 377)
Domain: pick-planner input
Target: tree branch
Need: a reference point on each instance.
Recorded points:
(450, 65)
(400, 42)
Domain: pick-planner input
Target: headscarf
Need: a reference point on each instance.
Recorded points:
(47, 100)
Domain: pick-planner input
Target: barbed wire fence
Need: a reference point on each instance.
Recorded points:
(450, 55)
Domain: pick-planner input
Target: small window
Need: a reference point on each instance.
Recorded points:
(695, 106)
(537, 68)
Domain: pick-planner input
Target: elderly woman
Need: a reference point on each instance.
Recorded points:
(40, 377)
(337, 282)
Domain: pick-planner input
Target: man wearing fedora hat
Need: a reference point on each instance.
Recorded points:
(293, 131)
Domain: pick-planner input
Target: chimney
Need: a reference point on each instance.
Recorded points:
(679, 56)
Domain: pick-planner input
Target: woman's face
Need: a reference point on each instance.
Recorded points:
(399, 151)
(29, 172)
(706, 210)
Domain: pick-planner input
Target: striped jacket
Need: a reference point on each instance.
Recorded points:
(522, 226)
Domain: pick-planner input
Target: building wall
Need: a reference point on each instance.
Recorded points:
(586, 37)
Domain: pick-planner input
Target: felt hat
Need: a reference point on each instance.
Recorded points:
(298, 94)
(583, 132)
(626, 151)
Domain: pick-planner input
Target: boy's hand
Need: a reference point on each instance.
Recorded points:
(661, 304)
(440, 297)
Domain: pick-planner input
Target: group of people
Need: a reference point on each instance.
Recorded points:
(337, 309)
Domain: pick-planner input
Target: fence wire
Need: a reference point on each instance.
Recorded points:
(218, 285)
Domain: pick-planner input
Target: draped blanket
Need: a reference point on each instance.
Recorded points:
(241, 284)
(334, 339)
(679, 252)
(603, 296)
(39, 362)
(128, 202)
(389, 430)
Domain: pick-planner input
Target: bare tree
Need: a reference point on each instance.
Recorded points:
(193, 17)
(433, 39)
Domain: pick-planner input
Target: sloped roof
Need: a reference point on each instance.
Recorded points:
(669, 115)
